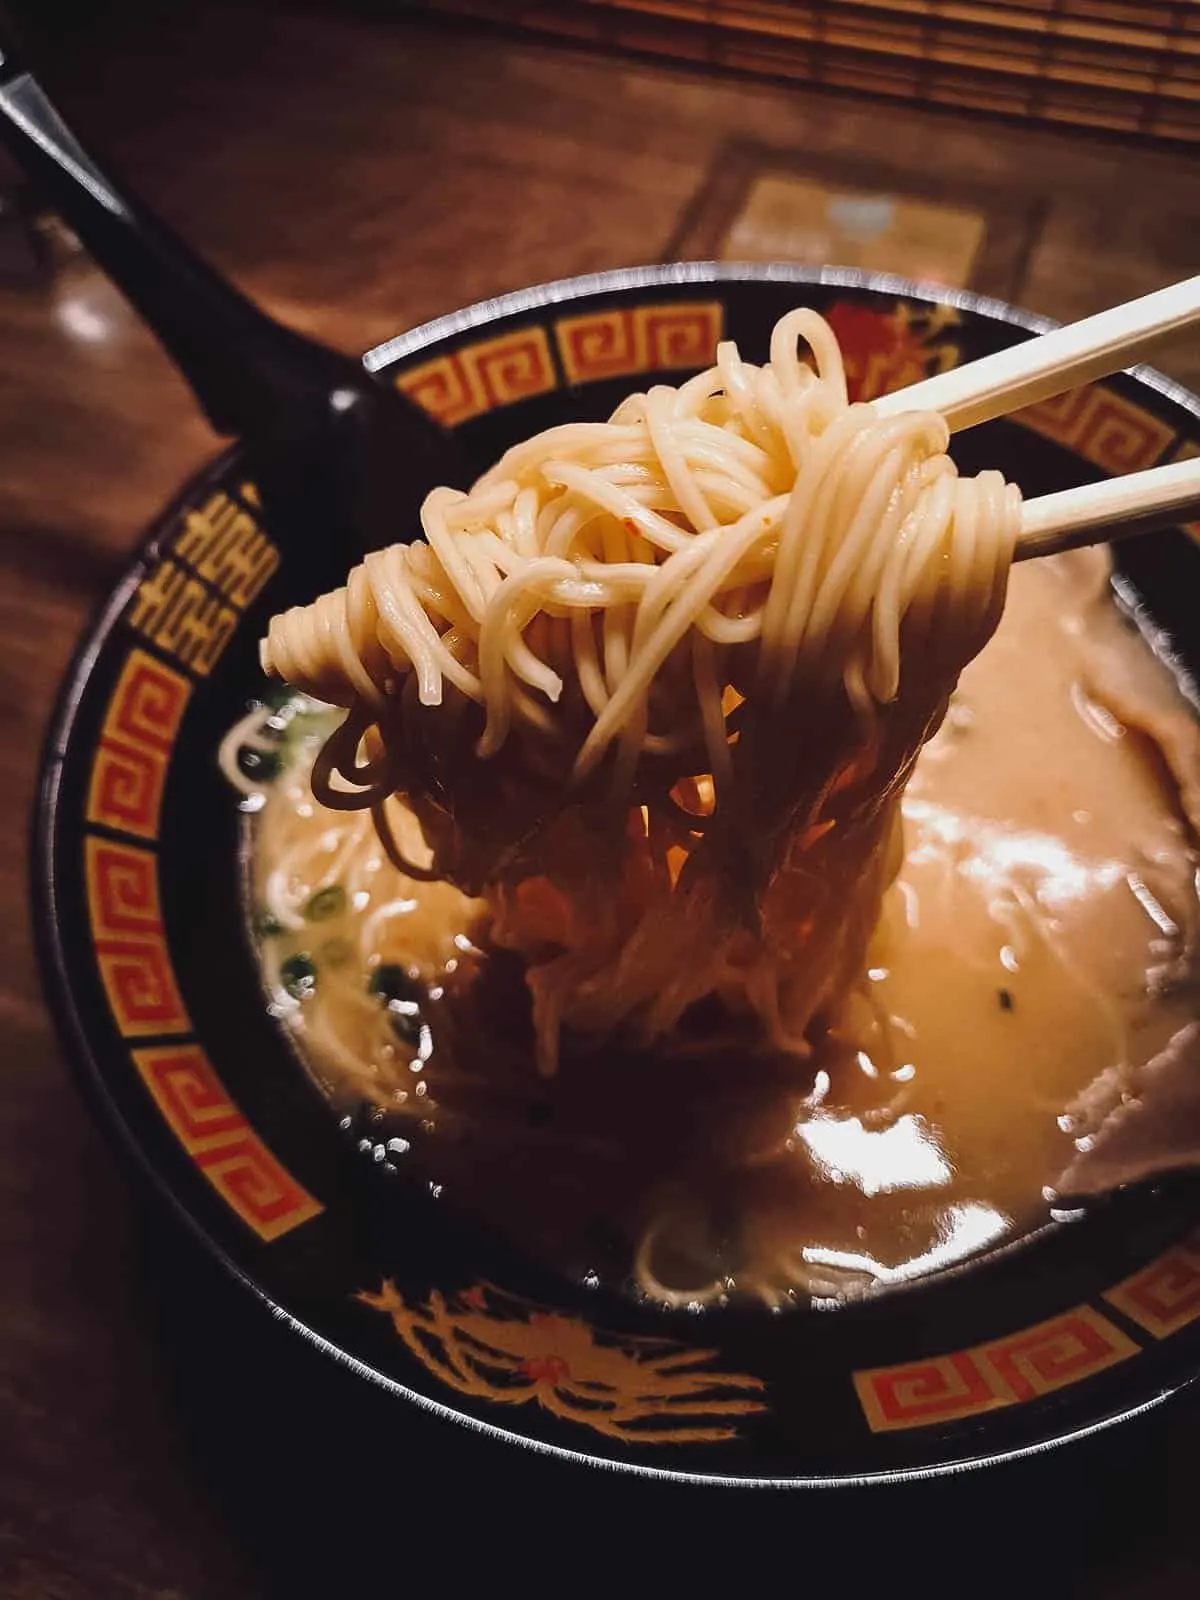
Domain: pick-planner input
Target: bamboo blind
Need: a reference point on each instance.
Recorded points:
(1130, 66)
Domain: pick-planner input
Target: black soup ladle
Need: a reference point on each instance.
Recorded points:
(342, 460)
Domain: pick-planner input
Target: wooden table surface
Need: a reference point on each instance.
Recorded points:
(156, 1439)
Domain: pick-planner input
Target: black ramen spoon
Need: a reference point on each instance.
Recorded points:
(342, 461)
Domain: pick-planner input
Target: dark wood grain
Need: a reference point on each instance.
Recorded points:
(157, 1437)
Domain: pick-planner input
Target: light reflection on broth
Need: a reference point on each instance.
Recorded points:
(1042, 931)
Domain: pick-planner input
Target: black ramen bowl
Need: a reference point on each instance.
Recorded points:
(154, 979)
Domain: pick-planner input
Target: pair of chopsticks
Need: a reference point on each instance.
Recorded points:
(996, 385)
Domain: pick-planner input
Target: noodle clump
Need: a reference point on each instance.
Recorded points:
(654, 685)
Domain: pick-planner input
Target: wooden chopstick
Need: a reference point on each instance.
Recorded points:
(1053, 362)
(1118, 508)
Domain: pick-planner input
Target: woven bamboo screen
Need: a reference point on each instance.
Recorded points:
(1132, 66)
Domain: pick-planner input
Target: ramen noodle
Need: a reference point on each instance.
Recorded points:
(651, 765)
(653, 687)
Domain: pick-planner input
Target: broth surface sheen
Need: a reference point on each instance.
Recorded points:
(1040, 933)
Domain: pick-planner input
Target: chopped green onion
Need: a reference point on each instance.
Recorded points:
(298, 974)
(326, 903)
(276, 695)
(260, 766)
(392, 983)
(403, 999)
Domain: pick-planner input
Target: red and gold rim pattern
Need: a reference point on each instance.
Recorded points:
(188, 606)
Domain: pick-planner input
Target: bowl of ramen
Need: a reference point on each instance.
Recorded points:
(685, 961)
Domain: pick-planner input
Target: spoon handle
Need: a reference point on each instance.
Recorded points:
(236, 358)
(341, 457)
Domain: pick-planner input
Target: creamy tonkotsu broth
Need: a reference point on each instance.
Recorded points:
(1040, 933)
